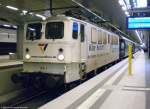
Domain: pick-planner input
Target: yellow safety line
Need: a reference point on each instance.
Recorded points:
(129, 60)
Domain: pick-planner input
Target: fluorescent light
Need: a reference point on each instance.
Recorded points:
(12, 8)
(141, 3)
(128, 15)
(135, 4)
(124, 8)
(31, 13)
(143, 45)
(14, 26)
(11, 53)
(121, 2)
(24, 12)
(41, 16)
(7, 25)
(137, 33)
(31, 29)
(126, 12)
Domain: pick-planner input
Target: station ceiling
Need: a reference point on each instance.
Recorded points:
(29, 5)
(109, 9)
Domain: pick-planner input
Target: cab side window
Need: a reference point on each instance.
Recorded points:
(75, 30)
(82, 30)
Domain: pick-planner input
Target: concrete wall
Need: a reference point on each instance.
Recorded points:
(7, 35)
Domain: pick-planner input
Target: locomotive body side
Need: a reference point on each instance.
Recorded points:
(103, 47)
(65, 49)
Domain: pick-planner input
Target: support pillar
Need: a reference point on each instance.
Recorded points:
(20, 38)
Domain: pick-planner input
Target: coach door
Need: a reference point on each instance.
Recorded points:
(83, 43)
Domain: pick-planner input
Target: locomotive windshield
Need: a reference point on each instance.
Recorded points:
(34, 31)
(54, 30)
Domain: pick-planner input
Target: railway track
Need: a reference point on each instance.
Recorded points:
(32, 96)
(27, 96)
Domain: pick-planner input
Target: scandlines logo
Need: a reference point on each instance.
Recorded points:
(43, 47)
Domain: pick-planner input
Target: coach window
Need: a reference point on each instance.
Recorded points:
(109, 39)
(100, 37)
(54, 30)
(116, 41)
(113, 40)
(82, 33)
(75, 30)
(94, 35)
(34, 31)
(105, 37)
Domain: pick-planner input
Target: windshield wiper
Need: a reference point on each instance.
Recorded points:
(32, 38)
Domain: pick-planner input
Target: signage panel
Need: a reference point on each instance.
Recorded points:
(138, 22)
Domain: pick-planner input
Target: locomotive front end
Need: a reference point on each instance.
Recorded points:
(47, 49)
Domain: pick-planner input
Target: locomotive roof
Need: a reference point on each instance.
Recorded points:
(63, 17)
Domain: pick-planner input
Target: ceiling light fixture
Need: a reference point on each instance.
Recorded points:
(141, 3)
(124, 8)
(24, 12)
(138, 35)
(126, 12)
(14, 26)
(7, 25)
(41, 16)
(12, 8)
(121, 2)
(31, 13)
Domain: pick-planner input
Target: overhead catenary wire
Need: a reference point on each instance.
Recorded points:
(100, 18)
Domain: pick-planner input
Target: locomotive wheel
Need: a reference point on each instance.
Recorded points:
(39, 83)
(69, 86)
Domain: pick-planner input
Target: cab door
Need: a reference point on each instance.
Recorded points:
(83, 49)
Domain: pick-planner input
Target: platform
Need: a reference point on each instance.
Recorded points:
(7, 69)
(112, 89)
(4, 57)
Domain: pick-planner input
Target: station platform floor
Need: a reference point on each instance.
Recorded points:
(5, 61)
(112, 89)
(8, 67)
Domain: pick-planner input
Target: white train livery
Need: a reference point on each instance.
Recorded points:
(64, 49)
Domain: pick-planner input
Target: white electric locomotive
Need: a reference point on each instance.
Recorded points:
(64, 49)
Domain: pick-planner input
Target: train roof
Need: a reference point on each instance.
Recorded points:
(63, 17)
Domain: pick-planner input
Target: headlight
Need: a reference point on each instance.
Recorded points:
(27, 56)
(61, 57)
